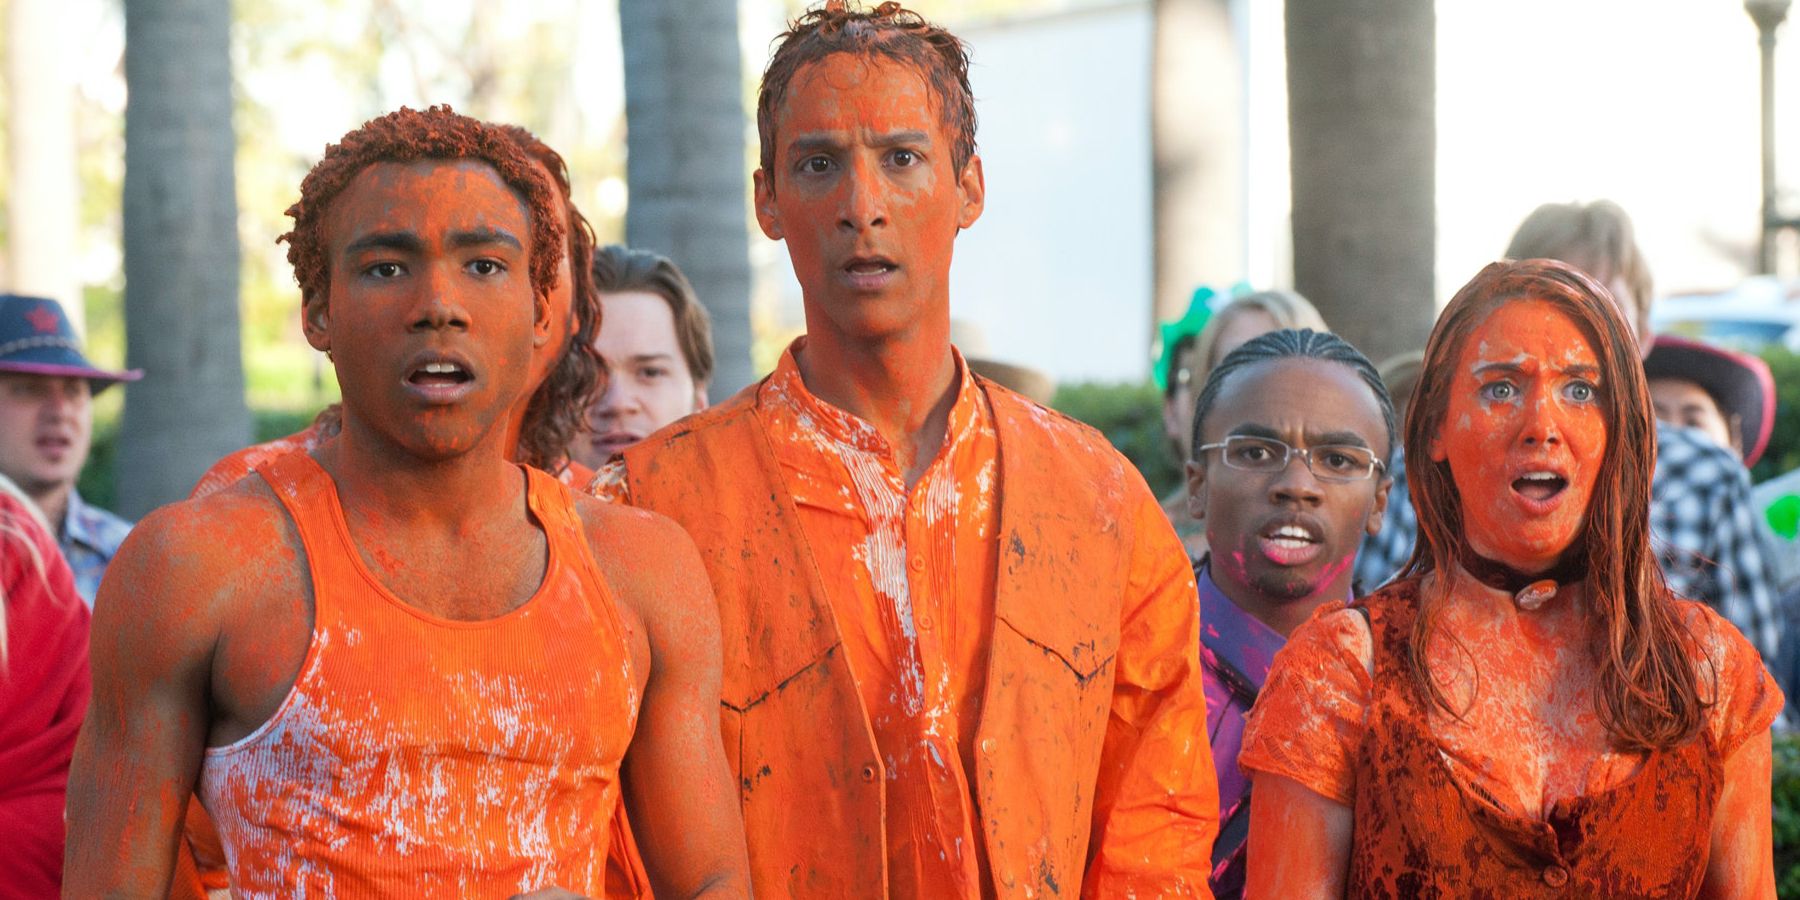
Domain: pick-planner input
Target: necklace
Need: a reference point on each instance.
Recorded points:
(1529, 591)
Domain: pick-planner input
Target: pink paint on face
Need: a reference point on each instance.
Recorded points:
(1524, 433)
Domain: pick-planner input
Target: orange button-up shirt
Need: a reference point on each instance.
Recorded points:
(915, 605)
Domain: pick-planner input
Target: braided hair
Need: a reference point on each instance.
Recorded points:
(1292, 343)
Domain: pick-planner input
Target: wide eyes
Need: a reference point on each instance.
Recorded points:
(1580, 392)
(1576, 391)
(899, 158)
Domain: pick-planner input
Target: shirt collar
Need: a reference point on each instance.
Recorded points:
(786, 392)
(1233, 636)
(78, 523)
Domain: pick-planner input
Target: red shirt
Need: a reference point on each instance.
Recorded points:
(43, 696)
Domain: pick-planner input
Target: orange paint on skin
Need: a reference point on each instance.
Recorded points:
(1524, 434)
(207, 635)
(865, 195)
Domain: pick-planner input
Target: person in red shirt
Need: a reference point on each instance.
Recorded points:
(43, 694)
(402, 664)
(961, 640)
(1527, 710)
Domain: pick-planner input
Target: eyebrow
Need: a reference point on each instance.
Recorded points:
(410, 242)
(1313, 439)
(808, 144)
(1581, 370)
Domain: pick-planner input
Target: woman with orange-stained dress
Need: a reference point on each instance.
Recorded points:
(1526, 711)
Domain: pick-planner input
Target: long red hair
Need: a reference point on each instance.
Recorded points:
(1648, 696)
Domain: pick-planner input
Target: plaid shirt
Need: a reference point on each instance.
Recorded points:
(1383, 553)
(1702, 523)
(89, 537)
(1703, 526)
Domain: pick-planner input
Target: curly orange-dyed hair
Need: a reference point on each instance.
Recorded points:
(558, 407)
(1648, 696)
(410, 135)
(889, 30)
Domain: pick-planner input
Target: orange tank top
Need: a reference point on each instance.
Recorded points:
(419, 756)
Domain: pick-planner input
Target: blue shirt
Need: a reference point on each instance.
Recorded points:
(89, 537)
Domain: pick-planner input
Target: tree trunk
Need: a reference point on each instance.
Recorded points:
(684, 168)
(1196, 121)
(181, 252)
(1361, 123)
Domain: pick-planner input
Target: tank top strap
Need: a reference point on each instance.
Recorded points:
(310, 497)
(550, 501)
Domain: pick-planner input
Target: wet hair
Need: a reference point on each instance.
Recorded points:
(1290, 343)
(1288, 309)
(891, 31)
(557, 409)
(408, 136)
(1596, 237)
(1648, 696)
(619, 269)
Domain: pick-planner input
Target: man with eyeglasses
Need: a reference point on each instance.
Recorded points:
(1292, 433)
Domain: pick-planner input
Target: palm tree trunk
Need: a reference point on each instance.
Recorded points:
(685, 170)
(181, 252)
(1361, 123)
(1196, 117)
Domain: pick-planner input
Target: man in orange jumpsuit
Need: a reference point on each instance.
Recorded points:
(960, 637)
(401, 665)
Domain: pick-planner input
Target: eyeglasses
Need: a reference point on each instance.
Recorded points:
(1329, 462)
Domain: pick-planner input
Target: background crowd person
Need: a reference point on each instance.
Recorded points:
(944, 676)
(1384, 552)
(1702, 519)
(1726, 395)
(1529, 705)
(1237, 321)
(1293, 431)
(655, 350)
(46, 425)
(407, 606)
(43, 694)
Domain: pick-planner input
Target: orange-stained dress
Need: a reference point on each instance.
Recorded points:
(420, 756)
(1487, 806)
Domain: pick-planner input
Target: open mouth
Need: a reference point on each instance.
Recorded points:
(612, 441)
(1540, 487)
(870, 271)
(440, 374)
(1290, 544)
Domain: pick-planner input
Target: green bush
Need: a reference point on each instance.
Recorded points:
(1130, 415)
(1786, 799)
(96, 484)
(1783, 454)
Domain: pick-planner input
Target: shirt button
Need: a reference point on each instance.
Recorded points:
(918, 564)
(1556, 876)
(925, 622)
(987, 745)
(868, 773)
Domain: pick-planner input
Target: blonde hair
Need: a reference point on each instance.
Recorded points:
(1288, 309)
(13, 530)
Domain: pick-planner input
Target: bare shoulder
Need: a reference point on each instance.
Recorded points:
(192, 561)
(647, 559)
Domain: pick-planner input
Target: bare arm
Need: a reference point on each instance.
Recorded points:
(1299, 844)
(678, 790)
(1742, 862)
(141, 744)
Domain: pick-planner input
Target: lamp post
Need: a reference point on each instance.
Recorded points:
(1768, 15)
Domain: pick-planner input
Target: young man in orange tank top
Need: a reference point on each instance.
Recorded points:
(403, 664)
